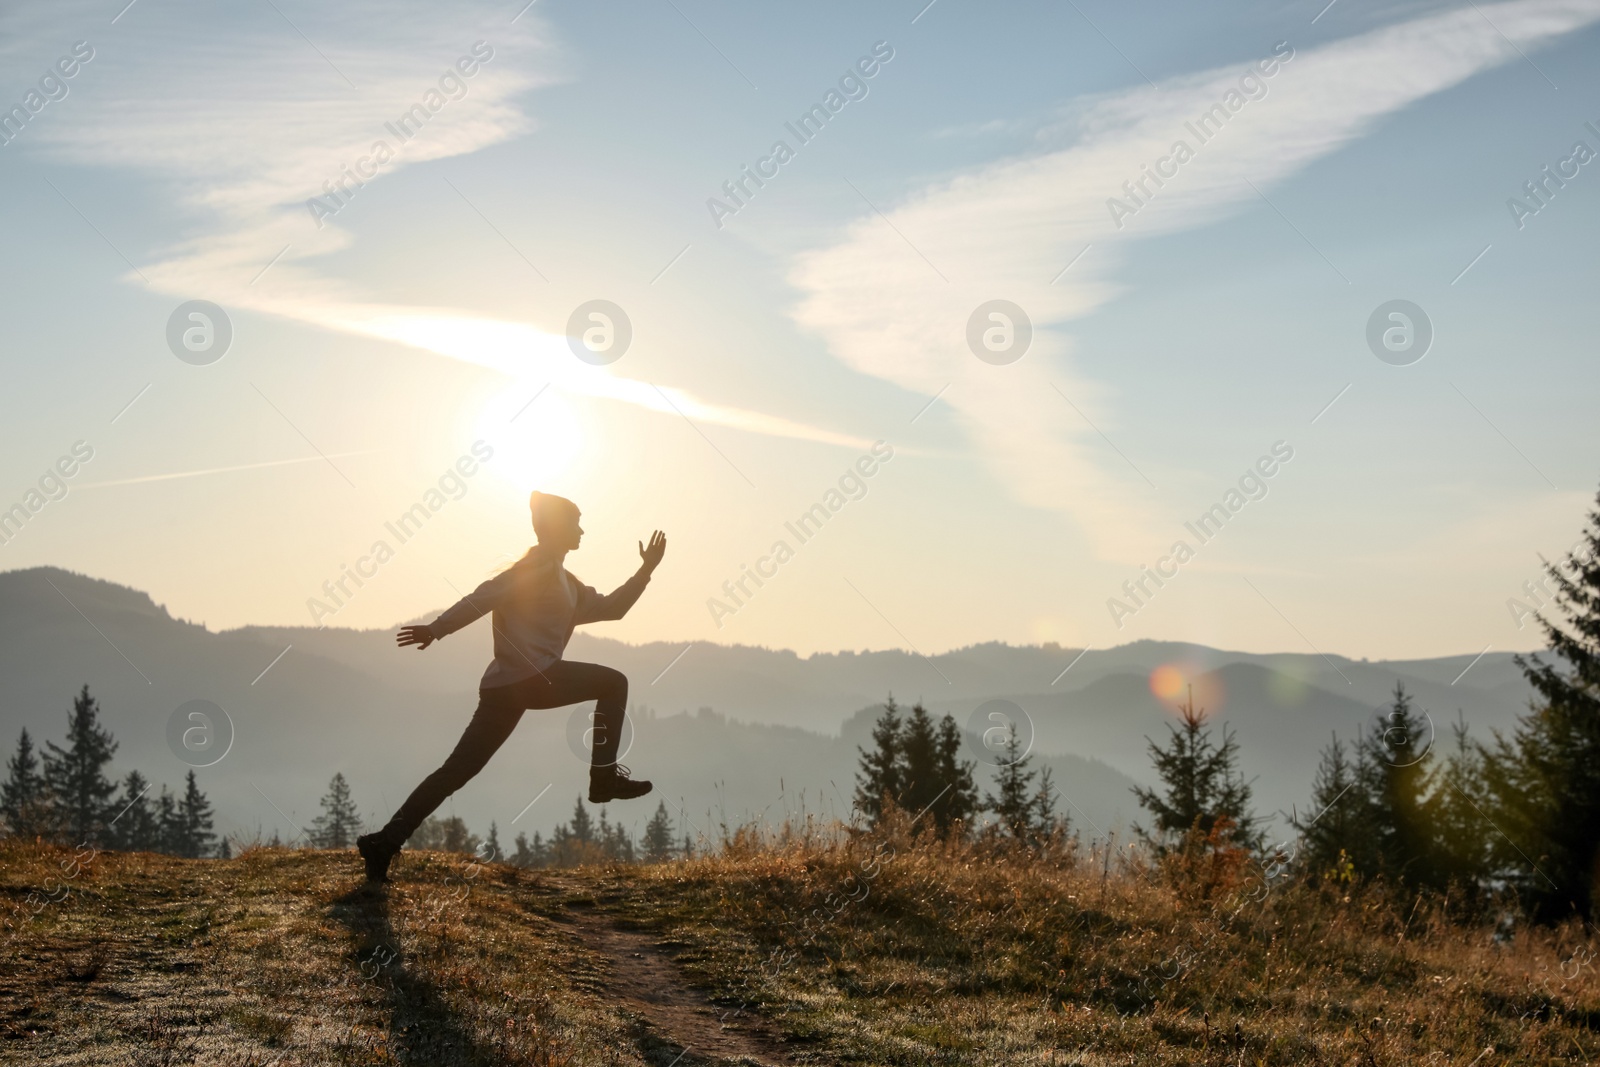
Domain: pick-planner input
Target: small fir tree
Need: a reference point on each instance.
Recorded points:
(1205, 795)
(658, 835)
(25, 797)
(340, 820)
(878, 780)
(76, 775)
(136, 827)
(193, 836)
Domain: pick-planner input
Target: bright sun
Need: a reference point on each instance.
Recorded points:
(535, 443)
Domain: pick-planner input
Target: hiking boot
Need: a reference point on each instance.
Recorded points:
(376, 851)
(615, 782)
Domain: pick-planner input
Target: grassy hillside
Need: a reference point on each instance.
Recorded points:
(874, 951)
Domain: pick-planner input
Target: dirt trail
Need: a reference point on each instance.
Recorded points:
(646, 981)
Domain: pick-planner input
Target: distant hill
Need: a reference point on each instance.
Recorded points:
(727, 732)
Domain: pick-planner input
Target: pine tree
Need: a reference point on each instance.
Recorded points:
(169, 825)
(658, 835)
(76, 776)
(444, 835)
(1393, 811)
(919, 761)
(1014, 800)
(1333, 837)
(136, 828)
(916, 765)
(491, 845)
(192, 835)
(24, 797)
(529, 855)
(428, 836)
(458, 838)
(878, 779)
(340, 820)
(936, 783)
(614, 840)
(1045, 820)
(1395, 764)
(1545, 778)
(959, 803)
(582, 830)
(1204, 789)
(1455, 809)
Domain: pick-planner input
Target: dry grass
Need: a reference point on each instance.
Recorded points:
(888, 952)
(280, 957)
(869, 950)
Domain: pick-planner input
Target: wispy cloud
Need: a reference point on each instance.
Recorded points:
(242, 115)
(146, 478)
(1007, 229)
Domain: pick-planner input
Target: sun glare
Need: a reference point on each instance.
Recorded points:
(536, 439)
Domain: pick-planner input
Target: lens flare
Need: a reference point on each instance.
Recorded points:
(1171, 683)
(1287, 689)
(1167, 682)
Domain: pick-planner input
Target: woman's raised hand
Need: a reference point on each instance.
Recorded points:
(652, 553)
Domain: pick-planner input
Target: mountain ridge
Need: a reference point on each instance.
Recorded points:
(306, 703)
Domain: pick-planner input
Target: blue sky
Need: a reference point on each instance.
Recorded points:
(1222, 317)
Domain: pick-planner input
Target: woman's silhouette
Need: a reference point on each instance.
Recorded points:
(533, 607)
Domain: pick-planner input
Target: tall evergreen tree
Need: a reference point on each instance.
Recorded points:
(169, 824)
(1397, 811)
(340, 820)
(529, 854)
(76, 777)
(192, 832)
(959, 803)
(919, 761)
(1014, 798)
(1045, 819)
(135, 827)
(1203, 786)
(878, 779)
(1456, 810)
(1332, 830)
(658, 835)
(24, 796)
(491, 845)
(936, 783)
(1396, 758)
(1545, 778)
(916, 765)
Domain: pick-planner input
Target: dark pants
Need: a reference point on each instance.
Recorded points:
(499, 710)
